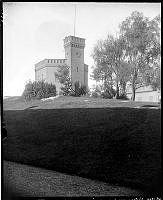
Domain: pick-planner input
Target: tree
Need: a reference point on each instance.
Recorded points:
(96, 74)
(153, 77)
(132, 56)
(117, 61)
(124, 76)
(63, 75)
(142, 46)
(109, 63)
(101, 71)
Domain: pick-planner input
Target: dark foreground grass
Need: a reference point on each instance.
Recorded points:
(117, 145)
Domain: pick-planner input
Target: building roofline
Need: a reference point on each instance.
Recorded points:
(56, 59)
(75, 37)
(40, 61)
(143, 91)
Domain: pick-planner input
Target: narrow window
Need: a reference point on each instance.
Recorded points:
(77, 69)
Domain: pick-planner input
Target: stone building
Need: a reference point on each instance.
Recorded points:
(74, 58)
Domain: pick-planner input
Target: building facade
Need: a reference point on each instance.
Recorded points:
(74, 58)
(145, 93)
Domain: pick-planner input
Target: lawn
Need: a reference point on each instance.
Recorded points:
(110, 140)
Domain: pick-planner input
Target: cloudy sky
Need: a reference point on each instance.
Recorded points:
(35, 31)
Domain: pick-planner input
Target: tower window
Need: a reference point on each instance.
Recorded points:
(77, 69)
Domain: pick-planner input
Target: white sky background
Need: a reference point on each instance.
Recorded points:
(35, 31)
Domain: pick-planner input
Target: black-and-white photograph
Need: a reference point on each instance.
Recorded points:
(81, 99)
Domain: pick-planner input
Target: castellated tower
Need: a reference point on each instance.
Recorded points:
(74, 58)
(74, 53)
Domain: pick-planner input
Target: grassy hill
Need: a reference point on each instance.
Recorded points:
(111, 140)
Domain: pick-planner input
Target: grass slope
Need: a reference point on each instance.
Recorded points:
(106, 140)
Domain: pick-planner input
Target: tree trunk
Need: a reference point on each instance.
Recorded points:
(133, 94)
(133, 84)
(124, 87)
(133, 89)
(105, 82)
(117, 91)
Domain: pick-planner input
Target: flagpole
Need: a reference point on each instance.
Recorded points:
(75, 20)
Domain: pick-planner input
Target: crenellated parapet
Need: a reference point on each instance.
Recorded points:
(57, 61)
(50, 63)
(74, 42)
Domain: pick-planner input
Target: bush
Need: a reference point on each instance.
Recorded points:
(95, 94)
(106, 95)
(38, 90)
(123, 97)
(79, 90)
(109, 93)
(84, 90)
(97, 91)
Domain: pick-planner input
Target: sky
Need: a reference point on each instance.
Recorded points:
(33, 31)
